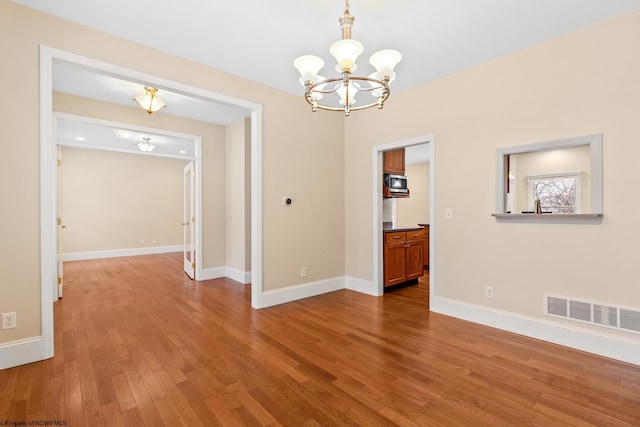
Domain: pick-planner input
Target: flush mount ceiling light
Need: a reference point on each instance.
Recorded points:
(149, 101)
(122, 133)
(146, 145)
(346, 51)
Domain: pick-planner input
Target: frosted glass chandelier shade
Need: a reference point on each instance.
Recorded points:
(346, 53)
(308, 66)
(342, 92)
(385, 61)
(149, 101)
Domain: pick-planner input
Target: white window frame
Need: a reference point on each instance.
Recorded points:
(532, 179)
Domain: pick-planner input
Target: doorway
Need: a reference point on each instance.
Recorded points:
(129, 205)
(48, 176)
(378, 239)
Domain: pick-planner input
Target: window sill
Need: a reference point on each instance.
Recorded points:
(550, 218)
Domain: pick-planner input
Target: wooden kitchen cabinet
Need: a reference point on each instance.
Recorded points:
(394, 263)
(403, 256)
(393, 161)
(425, 250)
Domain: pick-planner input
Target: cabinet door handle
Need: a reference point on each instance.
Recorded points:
(396, 237)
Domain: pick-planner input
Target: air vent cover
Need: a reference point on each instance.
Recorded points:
(611, 316)
(630, 319)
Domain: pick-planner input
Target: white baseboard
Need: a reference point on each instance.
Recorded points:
(113, 253)
(213, 273)
(243, 277)
(21, 352)
(305, 290)
(361, 285)
(600, 343)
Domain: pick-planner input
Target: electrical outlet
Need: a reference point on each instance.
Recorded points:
(303, 272)
(9, 320)
(142, 241)
(488, 292)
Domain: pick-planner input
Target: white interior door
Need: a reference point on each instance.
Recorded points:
(188, 222)
(61, 227)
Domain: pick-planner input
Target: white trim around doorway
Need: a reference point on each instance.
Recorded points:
(39, 348)
(377, 286)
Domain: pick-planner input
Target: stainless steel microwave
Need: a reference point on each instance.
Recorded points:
(396, 183)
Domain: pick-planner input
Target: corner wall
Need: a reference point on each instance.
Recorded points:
(238, 200)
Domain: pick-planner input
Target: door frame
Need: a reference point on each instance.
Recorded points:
(193, 217)
(48, 177)
(378, 238)
(60, 226)
(197, 141)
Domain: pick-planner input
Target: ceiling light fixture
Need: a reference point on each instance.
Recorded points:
(346, 51)
(146, 145)
(121, 133)
(149, 101)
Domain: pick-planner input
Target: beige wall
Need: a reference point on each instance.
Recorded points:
(414, 210)
(301, 154)
(238, 137)
(113, 200)
(582, 83)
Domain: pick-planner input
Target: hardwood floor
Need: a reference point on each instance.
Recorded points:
(139, 344)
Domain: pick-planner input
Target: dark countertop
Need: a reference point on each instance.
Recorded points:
(388, 228)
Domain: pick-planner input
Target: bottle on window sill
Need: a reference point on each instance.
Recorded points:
(538, 206)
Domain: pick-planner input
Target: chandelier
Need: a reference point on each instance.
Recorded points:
(346, 51)
(149, 101)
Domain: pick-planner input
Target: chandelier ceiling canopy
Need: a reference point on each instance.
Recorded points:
(346, 52)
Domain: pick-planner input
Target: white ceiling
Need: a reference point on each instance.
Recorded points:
(259, 40)
(103, 136)
(76, 80)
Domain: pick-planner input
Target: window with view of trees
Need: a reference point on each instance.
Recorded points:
(557, 193)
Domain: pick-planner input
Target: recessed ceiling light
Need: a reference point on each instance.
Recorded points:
(80, 138)
(183, 152)
(121, 133)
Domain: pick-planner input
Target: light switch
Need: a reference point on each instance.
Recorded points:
(448, 214)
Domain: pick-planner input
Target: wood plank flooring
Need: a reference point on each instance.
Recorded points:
(139, 344)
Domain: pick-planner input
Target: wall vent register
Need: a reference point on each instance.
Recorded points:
(602, 314)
